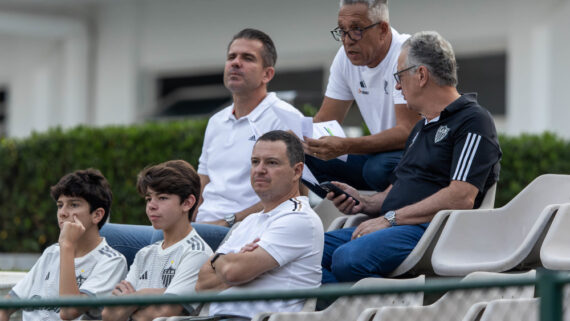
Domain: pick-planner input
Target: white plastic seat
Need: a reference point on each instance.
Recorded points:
(555, 252)
(500, 239)
(348, 308)
(454, 305)
(526, 309)
(330, 215)
(419, 260)
(335, 219)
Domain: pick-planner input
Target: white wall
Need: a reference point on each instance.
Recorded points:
(110, 59)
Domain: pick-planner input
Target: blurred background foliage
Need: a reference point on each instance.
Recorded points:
(28, 167)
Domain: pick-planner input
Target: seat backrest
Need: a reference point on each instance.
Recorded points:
(512, 310)
(419, 260)
(455, 304)
(542, 191)
(555, 252)
(327, 212)
(489, 198)
(351, 307)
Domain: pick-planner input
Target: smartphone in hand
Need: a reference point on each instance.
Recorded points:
(330, 187)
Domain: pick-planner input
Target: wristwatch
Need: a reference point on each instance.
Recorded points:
(216, 256)
(390, 216)
(230, 219)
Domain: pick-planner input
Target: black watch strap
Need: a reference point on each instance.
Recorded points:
(216, 256)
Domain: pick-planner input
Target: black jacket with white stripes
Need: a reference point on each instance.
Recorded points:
(461, 145)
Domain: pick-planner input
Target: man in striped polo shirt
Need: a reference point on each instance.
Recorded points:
(451, 159)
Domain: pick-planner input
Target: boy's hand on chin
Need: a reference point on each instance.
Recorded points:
(71, 232)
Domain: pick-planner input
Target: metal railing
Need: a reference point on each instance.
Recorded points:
(549, 286)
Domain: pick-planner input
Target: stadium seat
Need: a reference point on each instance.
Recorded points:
(555, 252)
(454, 305)
(348, 308)
(526, 309)
(419, 260)
(335, 219)
(502, 239)
(330, 215)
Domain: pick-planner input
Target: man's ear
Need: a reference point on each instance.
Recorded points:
(423, 75)
(189, 202)
(298, 168)
(97, 215)
(268, 74)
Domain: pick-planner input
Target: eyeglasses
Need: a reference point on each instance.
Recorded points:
(397, 74)
(354, 34)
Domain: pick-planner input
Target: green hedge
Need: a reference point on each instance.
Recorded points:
(527, 156)
(28, 167)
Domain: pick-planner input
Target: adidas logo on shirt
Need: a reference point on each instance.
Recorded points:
(252, 138)
(144, 276)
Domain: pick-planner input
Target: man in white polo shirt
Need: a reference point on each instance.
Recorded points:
(362, 72)
(227, 196)
(278, 248)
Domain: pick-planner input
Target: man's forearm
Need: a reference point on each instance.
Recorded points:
(208, 280)
(5, 314)
(458, 195)
(119, 313)
(155, 311)
(387, 140)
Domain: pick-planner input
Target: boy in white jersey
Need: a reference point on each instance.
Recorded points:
(171, 266)
(81, 263)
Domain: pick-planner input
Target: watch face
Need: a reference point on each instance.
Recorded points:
(230, 219)
(391, 217)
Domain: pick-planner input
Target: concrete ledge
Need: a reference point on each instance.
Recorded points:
(18, 261)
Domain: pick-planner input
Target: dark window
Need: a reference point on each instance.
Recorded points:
(200, 95)
(485, 75)
(3, 108)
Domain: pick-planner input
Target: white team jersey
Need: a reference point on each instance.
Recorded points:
(96, 273)
(175, 268)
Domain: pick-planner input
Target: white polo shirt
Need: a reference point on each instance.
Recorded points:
(374, 89)
(293, 235)
(226, 157)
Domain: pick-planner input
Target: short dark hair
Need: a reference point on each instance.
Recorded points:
(88, 184)
(269, 54)
(176, 177)
(295, 151)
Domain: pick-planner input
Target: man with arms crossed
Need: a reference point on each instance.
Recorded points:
(451, 159)
(279, 247)
(362, 72)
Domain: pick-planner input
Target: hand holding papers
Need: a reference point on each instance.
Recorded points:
(327, 128)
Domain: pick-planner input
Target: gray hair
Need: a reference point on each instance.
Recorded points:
(377, 9)
(430, 49)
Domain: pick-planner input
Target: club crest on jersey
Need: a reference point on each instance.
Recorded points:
(441, 133)
(80, 279)
(167, 276)
(362, 89)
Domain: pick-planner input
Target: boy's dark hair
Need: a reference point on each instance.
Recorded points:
(172, 177)
(269, 53)
(88, 184)
(295, 151)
